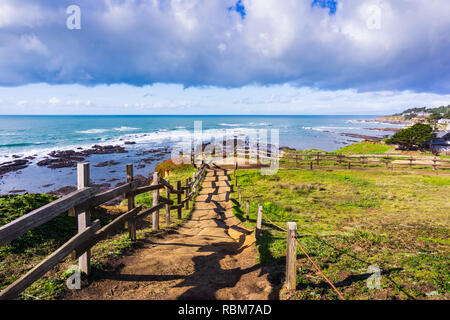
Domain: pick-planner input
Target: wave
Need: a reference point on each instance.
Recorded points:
(23, 144)
(126, 129)
(90, 131)
(250, 124)
(325, 128)
(229, 124)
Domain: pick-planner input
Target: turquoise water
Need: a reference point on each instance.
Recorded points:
(38, 135)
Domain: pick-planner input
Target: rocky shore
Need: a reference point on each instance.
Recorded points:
(69, 158)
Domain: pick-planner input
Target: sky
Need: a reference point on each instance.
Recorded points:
(223, 56)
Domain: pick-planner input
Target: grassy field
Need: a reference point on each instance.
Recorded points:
(349, 220)
(365, 148)
(28, 250)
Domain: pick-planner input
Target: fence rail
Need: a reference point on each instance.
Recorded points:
(362, 161)
(291, 243)
(79, 203)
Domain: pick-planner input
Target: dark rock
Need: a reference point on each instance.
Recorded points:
(107, 163)
(360, 136)
(129, 142)
(57, 163)
(11, 166)
(287, 148)
(143, 181)
(63, 191)
(17, 191)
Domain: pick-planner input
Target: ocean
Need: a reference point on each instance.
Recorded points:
(37, 136)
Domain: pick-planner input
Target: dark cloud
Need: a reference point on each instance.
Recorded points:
(367, 45)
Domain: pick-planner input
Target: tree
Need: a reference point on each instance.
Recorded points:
(413, 137)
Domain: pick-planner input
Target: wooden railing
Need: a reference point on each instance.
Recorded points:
(80, 203)
(384, 160)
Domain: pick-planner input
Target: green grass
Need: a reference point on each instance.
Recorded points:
(365, 148)
(348, 220)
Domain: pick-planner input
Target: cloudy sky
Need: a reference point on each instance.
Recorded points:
(223, 56)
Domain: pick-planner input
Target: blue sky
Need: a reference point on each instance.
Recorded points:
(224, 56)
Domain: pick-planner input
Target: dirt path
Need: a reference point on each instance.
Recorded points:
(210, 257)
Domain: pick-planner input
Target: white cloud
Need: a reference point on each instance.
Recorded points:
(203, 43)
(33, 44)
(174, 99)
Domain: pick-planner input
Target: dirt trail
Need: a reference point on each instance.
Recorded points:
(209, 257)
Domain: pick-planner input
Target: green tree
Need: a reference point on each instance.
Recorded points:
(413, 137)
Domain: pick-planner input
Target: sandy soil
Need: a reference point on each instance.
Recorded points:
(210, 257)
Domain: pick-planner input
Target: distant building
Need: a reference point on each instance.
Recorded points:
(444, 121)
(441, 143)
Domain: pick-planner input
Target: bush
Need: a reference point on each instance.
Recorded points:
(413, 137)
(168, 166)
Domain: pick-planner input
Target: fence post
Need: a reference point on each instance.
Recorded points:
(179, 199)
(167, 206)
(240, 198)
(349, 165)
(311, 165)
(235, 174)
(410, 162)
(318, 158)
(247, 210)
(247, 154)
(291, 256)
(187, 193)
(131, 204)
(155, 214)
(259, 220)
(84, 218)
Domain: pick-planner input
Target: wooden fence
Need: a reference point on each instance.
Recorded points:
(80, 203)
(387, 161)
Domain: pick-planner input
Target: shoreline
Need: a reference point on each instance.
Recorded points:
(54, 171)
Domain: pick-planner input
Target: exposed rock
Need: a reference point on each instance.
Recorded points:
(14, 165)
(129, 142)
(107, 163)
(57, 163)
(69, 158)
(63, 191)
(287, 148)
(360, 136)
(143, 180)
(17, 191)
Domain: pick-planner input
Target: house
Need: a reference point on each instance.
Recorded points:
(444, 121)
(441, 142)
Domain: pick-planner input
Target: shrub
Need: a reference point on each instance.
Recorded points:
(168, 166)
(413, 137)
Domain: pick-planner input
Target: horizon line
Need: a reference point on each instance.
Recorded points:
(193, 115)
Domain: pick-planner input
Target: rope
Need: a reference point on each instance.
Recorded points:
(318, 269)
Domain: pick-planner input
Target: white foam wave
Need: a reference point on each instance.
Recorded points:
(126, 129)
(91, 131)
(229, 124)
